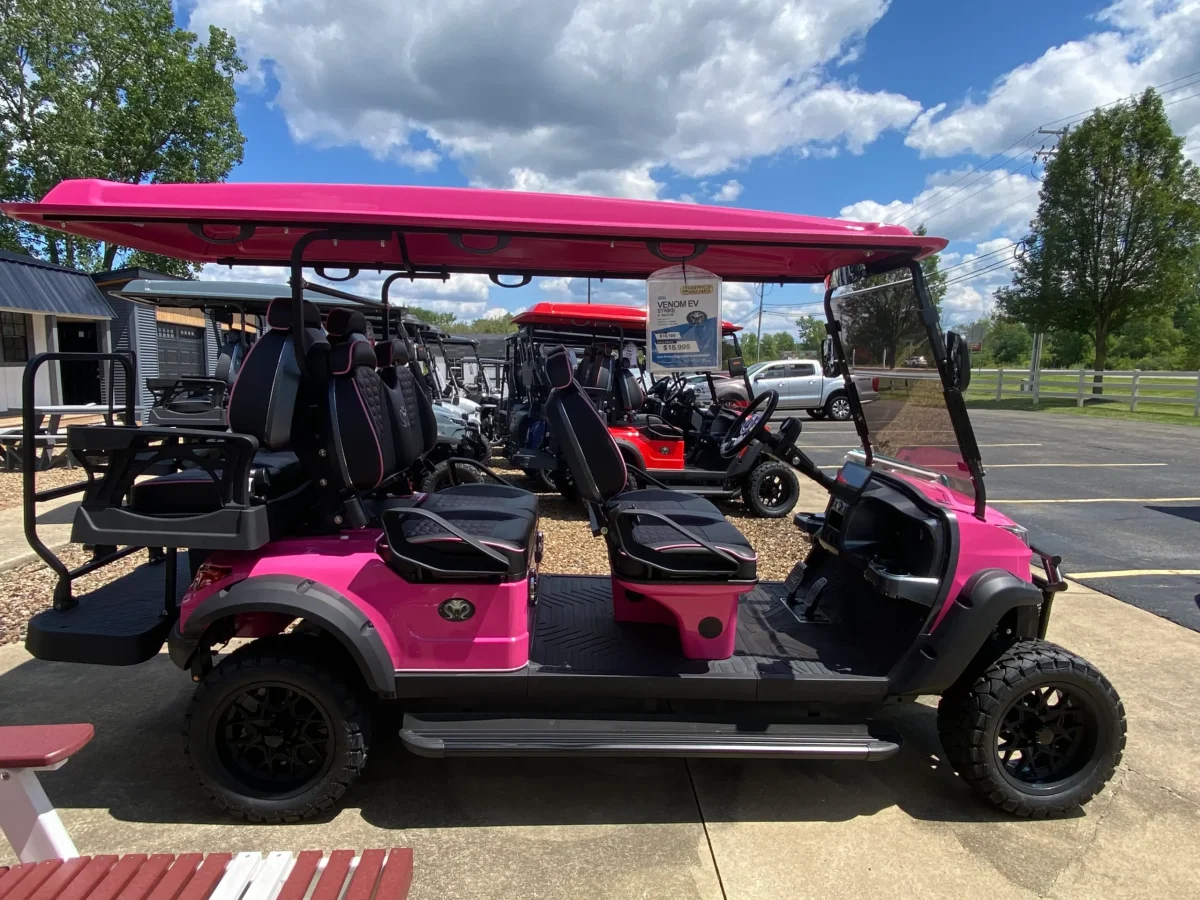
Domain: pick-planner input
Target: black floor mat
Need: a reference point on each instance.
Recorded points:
(575, 632)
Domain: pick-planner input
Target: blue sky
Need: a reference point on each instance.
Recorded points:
(858, 109)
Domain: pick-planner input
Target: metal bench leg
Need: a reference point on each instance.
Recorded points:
(29, 820)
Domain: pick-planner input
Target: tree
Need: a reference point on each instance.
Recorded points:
(880, 313)
(1007, 343)
(1116, 233)
(444, 320)
(109, 89)
(812, 333)
(502, 324)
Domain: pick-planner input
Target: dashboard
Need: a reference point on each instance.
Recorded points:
(901, 544)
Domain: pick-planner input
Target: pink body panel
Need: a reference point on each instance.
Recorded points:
(684, 606)
(404, 614)
(982, 544)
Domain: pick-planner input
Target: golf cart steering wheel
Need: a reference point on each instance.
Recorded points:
(749, 424)
(675, 389)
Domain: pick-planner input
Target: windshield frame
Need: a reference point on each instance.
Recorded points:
(956, 405)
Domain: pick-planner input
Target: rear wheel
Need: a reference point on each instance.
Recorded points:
(818, 413)
(276, 734)
(564, 483)
(771, 490)
(837, 407)
(440, 477)
(1038, 733)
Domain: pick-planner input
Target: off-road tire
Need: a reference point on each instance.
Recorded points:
(564, 483)
(816, 413)
(971, 712)
(760, 475)
(439, 478)
(837, 407)
(290, 660)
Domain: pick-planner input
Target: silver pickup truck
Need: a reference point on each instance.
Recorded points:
(802, 385)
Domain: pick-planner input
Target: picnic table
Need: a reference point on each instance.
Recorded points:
(48, 434)
(50, 866)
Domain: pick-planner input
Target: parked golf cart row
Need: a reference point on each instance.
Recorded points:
(347, 587)
(663, 431)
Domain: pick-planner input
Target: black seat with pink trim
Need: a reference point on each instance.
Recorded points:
(654, 534)
(234, 490)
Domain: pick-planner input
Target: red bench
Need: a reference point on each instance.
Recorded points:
(52, 869)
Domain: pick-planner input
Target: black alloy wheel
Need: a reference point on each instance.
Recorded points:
(274, 738)
(771, 490)
(1038, 732)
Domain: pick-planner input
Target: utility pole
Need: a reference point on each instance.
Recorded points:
(1043, 154)
(762, 289)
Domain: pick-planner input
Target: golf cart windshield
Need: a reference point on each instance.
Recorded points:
(911, 427)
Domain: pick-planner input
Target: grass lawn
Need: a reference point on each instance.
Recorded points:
(1165, 413)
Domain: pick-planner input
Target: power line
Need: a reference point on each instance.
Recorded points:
(980, 169)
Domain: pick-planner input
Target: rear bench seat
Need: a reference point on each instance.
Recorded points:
(194, 490)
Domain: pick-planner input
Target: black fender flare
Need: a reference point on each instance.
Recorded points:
(936, 660)
(631, 453)
(301, 598)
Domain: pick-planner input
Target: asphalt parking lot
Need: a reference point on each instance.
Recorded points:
(1118, 500)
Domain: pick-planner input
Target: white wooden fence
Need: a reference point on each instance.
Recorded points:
(1129, 387)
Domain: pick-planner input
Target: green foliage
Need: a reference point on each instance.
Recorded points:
(1117, 232)
(812, 333)
(880, 314)
(1007, 343)
(1066, 349)
(449, 322)
(109, 89)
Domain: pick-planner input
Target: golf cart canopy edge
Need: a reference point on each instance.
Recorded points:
(431, 232)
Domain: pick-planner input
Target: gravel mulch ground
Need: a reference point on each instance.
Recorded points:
(11, 483)
(28, 589)
(569, 549)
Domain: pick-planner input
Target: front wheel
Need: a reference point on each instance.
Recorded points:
(276, 734)
(837, 407)
(772, 490)
(818, 413)
(1038, 733)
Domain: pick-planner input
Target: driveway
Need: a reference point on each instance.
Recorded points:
(577, 828)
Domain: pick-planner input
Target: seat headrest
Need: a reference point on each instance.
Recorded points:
(342, 322)
(558, 368)
(391, 353)
(355, 352)
(625, 367)
(279, 314)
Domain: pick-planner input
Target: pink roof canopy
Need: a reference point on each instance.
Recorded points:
(433, 231)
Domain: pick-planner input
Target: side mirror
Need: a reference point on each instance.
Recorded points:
(959, 356)
(736, 367)
(828, 358)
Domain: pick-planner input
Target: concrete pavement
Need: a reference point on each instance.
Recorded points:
(543, 828)
(54, 528)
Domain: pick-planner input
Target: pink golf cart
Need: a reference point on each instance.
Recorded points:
(307, 543)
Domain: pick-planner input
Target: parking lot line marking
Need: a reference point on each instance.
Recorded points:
(1107, 500)
(1133, 573)
(1072, 465)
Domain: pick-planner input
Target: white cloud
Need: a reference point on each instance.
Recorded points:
(728, 192)
(1146, 42)
(566, 95)
(960, 208)
(464, 295)
(496, 312)
(982, 271)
